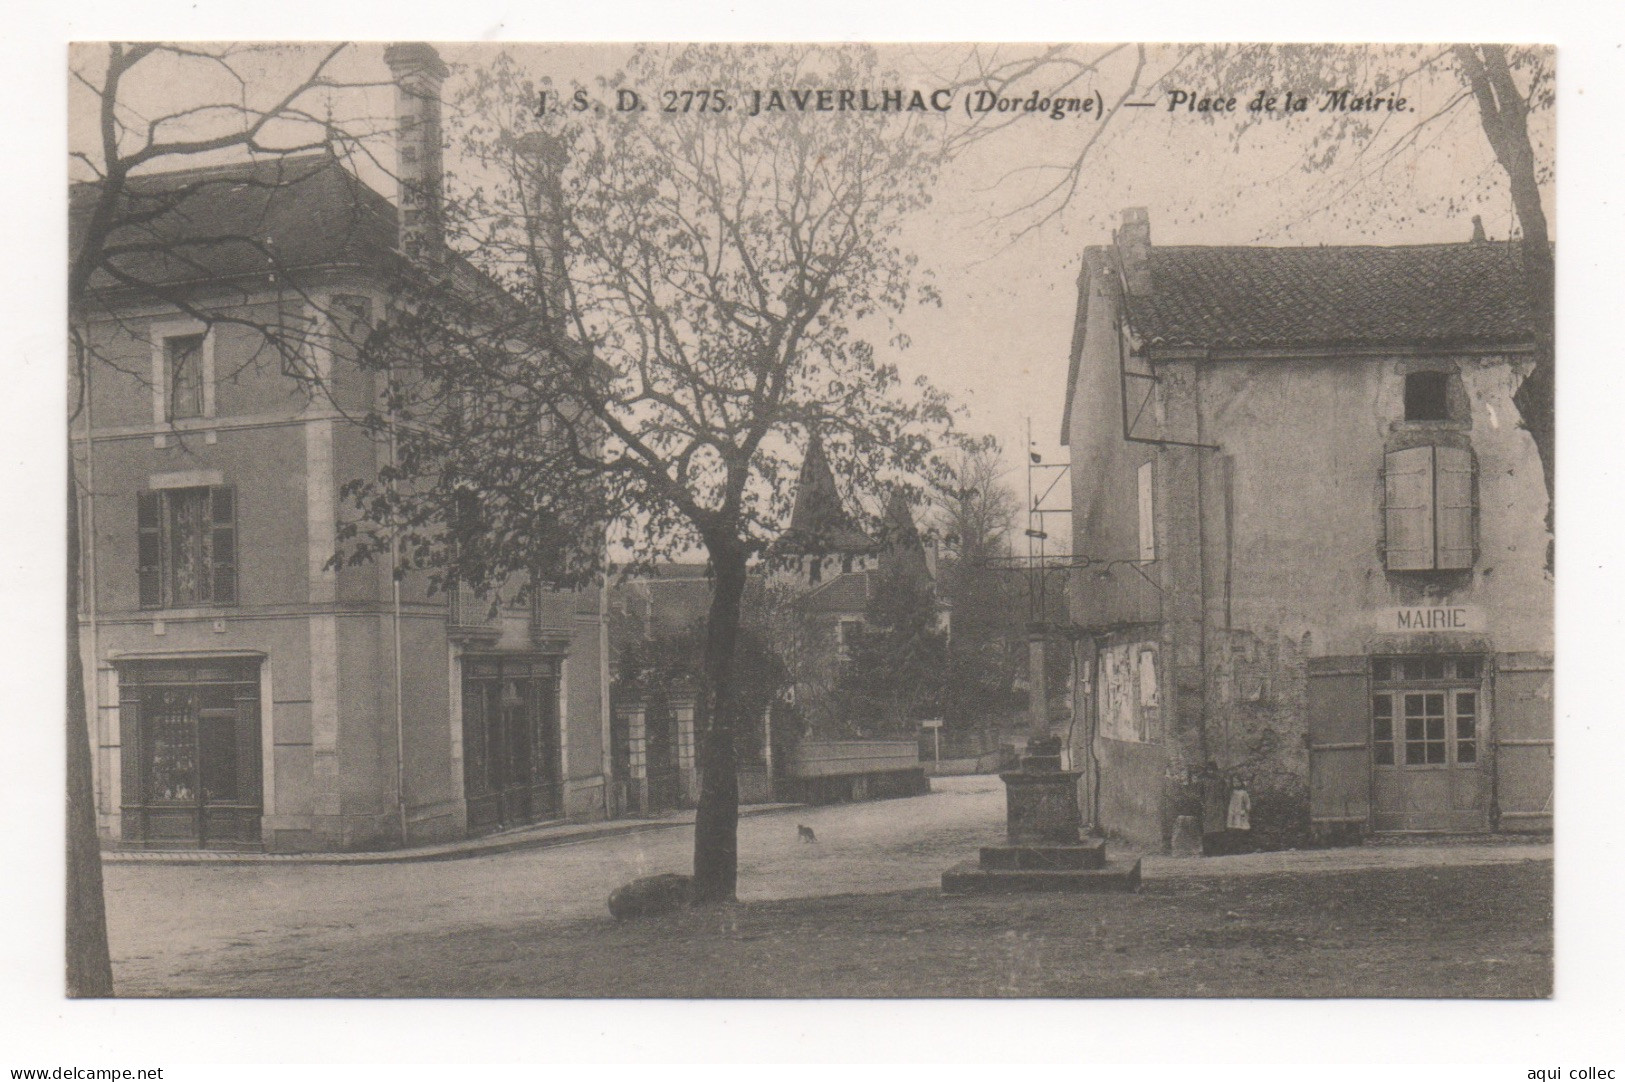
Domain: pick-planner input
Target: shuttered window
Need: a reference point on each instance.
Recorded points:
(187, 547)
(1429, 511)
(150, 549)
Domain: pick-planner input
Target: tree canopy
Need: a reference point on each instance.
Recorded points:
(681, 301)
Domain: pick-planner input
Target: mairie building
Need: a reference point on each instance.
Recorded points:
(1316, 538)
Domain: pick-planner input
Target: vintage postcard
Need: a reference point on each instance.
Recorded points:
(815, 521)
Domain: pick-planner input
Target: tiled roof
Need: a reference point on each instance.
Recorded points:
(847, 593)
(1432, 294)
(245, 218)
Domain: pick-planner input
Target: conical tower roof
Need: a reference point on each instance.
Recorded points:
(818, 521)
(902, 550)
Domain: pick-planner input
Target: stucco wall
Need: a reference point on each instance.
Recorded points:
(1270, 548)
(1105, 515)
(1304, 443)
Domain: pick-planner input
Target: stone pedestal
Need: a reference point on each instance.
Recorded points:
(1042, 807)
(1045, 850)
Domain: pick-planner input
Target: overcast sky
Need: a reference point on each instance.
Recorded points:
(1007, 272)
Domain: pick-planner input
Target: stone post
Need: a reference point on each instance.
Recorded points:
(1044, 849)
(683, 711)
(637, 743)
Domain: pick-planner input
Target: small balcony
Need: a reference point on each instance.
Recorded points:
(472, 617)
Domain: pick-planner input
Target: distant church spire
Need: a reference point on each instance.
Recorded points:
(818, 517)
(903, 551)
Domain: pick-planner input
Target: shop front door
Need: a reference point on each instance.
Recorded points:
(190, 747)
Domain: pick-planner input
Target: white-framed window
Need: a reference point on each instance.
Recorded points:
(1429, 510)
(182, 371)
(1426, 711)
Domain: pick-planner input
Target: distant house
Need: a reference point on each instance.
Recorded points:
(1316, 534)
(654, 621)
(828, 568)
(804, 605)
(244, 693)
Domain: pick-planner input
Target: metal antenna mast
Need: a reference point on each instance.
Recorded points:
(1046, 571)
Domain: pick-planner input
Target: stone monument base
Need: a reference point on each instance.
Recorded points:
(1045, 851)
(1121, 875)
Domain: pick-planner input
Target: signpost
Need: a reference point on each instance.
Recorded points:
(935, 725)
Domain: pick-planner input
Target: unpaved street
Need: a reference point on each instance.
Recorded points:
(168, 923)
(858, 913)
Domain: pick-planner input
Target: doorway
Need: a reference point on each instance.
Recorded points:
(190, 748)
(511, 744)
(1428, 736)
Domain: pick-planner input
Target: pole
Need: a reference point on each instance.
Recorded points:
(1038, 697)
(400, 691)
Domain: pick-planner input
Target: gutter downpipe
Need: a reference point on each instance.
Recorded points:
(87, 568)
(395, 622)
(605, 715)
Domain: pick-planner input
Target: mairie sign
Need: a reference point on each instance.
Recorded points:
(1422, 619)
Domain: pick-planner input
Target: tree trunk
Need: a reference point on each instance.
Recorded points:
(90, 972)
(1503, 113)
(716, 823)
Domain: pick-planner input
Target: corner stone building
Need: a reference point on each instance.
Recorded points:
(1316, 534)
(244, 694)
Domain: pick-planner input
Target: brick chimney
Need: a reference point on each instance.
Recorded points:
(418, 73)
(1134, 250)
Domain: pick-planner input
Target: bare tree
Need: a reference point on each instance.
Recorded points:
(688, 294)
(141, 110)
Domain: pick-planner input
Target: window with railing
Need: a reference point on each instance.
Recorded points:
(470, 610)
(187, 547)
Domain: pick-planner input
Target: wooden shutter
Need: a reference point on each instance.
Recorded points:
(1408, 499)
(1453, 508)
(149, 518)
(1339, 727)
(247, 737)
(223, 544)
(1146, 483)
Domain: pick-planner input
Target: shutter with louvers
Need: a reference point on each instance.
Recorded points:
(223, 544)
(1453, 508)
(150, 549)
(1408, 496)
(1339, 723)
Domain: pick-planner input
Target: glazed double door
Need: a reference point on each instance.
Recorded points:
(511, 741)
(190, 747)
(1426, 770)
